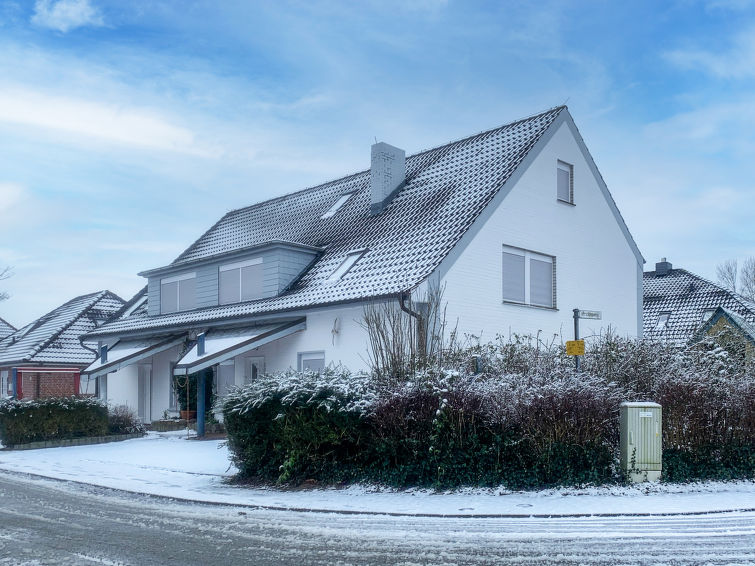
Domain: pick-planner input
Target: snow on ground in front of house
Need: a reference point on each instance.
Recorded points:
(168, 464)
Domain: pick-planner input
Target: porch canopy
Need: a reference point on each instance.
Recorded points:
(126, 352)
(222, 345)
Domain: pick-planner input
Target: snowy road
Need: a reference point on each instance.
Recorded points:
(50, 522)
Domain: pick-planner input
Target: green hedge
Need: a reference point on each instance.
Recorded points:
(51, 419)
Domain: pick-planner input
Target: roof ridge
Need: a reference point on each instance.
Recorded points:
(446, 146)
(97, 296)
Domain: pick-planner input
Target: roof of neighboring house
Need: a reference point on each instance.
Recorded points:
(54, 337)
(686, 297)
(445, 191)
(746, 327)
(5, 329)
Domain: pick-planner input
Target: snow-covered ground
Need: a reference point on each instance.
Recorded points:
(167, 464)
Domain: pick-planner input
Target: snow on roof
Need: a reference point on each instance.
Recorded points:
(5, 329)
(686, 297)
(54, 337)
(445, 191)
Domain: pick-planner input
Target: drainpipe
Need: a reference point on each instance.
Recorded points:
(14, 386)
(421, 338)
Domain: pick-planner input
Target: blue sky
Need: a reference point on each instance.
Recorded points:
(128, 128)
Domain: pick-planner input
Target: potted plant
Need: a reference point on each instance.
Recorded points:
(186, 392)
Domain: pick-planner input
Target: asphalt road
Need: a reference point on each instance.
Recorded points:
(50, 522)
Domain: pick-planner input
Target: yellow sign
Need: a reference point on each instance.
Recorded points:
(575, 347)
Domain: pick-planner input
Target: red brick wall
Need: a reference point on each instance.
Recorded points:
(48, 384)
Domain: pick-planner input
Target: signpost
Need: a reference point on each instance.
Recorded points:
(576, 347)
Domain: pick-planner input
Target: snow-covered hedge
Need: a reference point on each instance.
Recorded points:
(525, 419)
(52, 418)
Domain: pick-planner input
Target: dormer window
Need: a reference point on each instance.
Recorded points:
(178, 293)
(346, 265)
(565, 182)
(707, 313)
(240, 281)
(336, 206)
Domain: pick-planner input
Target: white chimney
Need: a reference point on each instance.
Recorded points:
(387, 175)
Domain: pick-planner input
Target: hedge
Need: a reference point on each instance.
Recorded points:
(527, 420)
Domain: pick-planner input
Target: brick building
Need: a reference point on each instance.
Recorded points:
(46, 356)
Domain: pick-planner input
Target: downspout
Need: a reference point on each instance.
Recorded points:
(421, 338)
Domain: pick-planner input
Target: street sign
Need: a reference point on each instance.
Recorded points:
(575, 347)
(595, 315)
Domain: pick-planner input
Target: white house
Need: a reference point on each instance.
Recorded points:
(515, 223)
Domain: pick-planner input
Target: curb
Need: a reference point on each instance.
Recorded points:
(83, 441)
(390, 513)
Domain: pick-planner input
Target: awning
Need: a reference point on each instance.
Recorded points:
(126, 352)
(221, 345)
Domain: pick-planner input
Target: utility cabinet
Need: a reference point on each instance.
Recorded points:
(641, 440)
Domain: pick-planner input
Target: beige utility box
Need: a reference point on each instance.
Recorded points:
(641, 440)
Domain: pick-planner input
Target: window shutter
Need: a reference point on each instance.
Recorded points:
(169, 297)
(513, 277)
(228, 283)
(251, 282)
(564, 184)
(541, 283)
(187, 294)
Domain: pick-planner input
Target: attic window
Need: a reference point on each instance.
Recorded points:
(346, 265)
(178, 293)
(565, 182)
(336, 206)
(707, 313)
(662, 322)
(240, 281)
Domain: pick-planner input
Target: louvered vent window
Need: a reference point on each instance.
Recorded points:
(529, 278)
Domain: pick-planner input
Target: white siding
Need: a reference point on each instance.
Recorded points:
(122, 387)
(596, 268)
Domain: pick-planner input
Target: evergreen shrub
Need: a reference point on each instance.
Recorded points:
(52, 418)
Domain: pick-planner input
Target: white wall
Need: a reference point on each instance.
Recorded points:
(595, 266)
(123, 387)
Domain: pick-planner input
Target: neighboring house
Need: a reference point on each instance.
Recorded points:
(514, 224)
(731, 331)
(679, 306)
(47, 355)
(5, 329)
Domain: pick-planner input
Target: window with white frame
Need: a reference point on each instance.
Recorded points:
(254, 368)
(314, 361)
(240, 281)
(178, 293)
(707, 313)
(662, 321)
(529, 278)
(565, 181)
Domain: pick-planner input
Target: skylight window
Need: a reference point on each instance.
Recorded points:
(346, 265)
(662, 322)
(336, 206)
(707, 313)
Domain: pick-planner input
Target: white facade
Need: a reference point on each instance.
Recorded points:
(595, 266)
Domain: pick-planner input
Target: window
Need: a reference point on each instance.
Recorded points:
(565, 182)
(314, 361)
(178, 293)
(346, 265)
(240, 281)
(662, 321)
(336, 206)
(253, 368)
(3, 383)
(707, 313)
(529, 278)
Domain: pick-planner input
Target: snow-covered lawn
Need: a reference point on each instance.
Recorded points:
(168, 464)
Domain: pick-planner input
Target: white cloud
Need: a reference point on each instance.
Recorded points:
(738, 62)
(65, 15)
(132, 126)
(10, 195)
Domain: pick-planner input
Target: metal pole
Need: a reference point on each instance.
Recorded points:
(576, 335)
(200, 404)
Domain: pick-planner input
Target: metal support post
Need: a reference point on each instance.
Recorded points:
(576, 335)
(200, 403)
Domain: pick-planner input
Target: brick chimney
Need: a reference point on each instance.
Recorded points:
(387, 175)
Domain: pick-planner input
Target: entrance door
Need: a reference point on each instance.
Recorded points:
(226, 377)
(144, 393)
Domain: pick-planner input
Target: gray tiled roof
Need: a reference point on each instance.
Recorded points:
(54, 337)
(446, 190)
(686, 296)
(5, 329)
